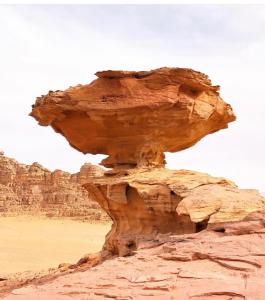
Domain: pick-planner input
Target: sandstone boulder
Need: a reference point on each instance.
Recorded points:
(146, 203)
(134, 117)
(193, 236)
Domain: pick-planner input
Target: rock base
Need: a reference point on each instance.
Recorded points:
(148, 202)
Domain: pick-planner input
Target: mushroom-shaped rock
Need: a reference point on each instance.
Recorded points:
(134, 117)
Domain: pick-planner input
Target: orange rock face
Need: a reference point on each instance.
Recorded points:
(32, 189)
(193, 236)
(146, 203)
(134, 117)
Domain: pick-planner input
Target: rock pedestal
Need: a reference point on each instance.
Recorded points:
(134, 117)
(146, 203)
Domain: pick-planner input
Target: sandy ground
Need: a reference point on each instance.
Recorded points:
(31, 243)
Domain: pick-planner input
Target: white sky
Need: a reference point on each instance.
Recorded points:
(46, 48)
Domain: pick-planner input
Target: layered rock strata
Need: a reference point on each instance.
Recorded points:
(33, 189)
(145, 203)
(134, 117)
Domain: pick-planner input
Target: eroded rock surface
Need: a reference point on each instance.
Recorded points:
(134, 117)
(193, 236)
(209, 265)
(33, 189)
(144, 203)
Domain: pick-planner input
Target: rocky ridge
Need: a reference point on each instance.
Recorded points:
(33, 189)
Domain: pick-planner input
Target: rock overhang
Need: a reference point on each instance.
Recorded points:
(134, 117)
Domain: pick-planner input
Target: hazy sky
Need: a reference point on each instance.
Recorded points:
(53, 47)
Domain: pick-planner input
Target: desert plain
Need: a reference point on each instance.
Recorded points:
(31, 243)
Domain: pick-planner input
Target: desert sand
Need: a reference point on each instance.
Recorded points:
(34, 243)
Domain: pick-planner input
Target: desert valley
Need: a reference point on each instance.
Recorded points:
(41, 212)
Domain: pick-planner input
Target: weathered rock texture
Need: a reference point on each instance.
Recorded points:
(144, 203)
(135, 117)
(226, 263)
(31, 189)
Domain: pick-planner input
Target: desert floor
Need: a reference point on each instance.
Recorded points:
(31, 243)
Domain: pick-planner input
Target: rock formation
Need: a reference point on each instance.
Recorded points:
(134, 117)
(149, 202)
(32, 189)
(227, 264)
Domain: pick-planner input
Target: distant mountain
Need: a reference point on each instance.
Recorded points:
(33, 189)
